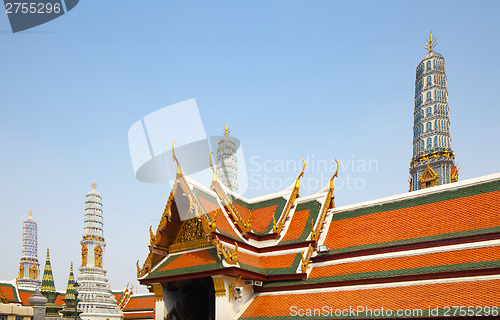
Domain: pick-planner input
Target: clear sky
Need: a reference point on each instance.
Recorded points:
(293, 79)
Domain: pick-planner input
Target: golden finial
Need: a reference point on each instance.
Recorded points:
(431, 43)
(30, 212)
(214, 177)
(93, 185)
(226, 131)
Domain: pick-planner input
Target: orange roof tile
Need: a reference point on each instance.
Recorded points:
(140, 302)
(59, 300)
(297, 225)
(478, 293)
(190, 259)
(426, 260)
(267, 262)
(222, 223)
(261, 218)
(24, 295)
(461, 214)
(244, 212)
(139, 315)
(9, 292)
(208, 205)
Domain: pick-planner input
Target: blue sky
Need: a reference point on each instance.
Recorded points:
(293, 79)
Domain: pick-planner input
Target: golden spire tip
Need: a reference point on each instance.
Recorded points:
(226, 131)
(93, 185)
(431, 43)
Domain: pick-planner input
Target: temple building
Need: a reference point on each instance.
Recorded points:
(218, 255)
(227, 163)
(29, 266)
(432, 163)
(95, 297)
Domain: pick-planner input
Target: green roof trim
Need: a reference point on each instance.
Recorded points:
(390, 273)
(421, 200)
(415, 240)
(314, 207)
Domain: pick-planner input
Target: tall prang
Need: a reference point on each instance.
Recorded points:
(432, 163)
(227, 163)
(29, 266)
(95, 298)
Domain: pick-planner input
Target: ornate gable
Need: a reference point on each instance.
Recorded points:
(429, 178)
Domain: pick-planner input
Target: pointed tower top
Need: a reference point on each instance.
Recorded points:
(30, 212)
(431, 43)
(70, 289)
(226, 131)
(48, 280)
(93, 185)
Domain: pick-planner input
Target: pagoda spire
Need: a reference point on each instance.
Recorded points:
(29, 265)
(96, 300)
(48, 289)
(70, 289)
(432, 163)
(70, 297)
(48, 280)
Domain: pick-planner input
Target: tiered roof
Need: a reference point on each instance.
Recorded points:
(266, 238)
(440, 245)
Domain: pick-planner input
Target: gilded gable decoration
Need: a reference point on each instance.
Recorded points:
(429, 178)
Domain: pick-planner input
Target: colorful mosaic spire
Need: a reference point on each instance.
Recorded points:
(48, 280)
(432, 163)
(48, 289)
(29, 266)
(70, 289)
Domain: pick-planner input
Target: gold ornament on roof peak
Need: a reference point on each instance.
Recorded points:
(93, 185)
(226, 131)
(30, 212)
(431, 43)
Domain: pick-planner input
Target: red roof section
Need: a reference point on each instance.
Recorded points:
(262, 218)
(140, 303)
(420, 261)
(462, 214)
(222, 223)
(24, 295)
(297, 225)
(267, 262)
(190, 259)
(59, 300)
(478, 293)
(8, 291)
(208, 206)
(139, 315)
(244, 212)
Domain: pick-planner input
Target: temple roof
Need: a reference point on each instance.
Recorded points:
(402, 296)
(377, 253)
